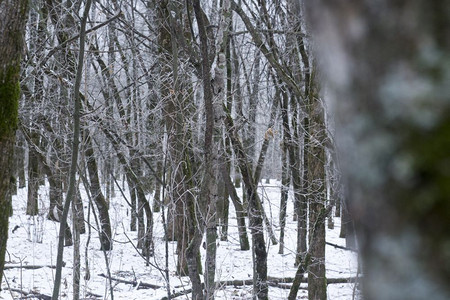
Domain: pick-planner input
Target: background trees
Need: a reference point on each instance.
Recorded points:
(176, 98)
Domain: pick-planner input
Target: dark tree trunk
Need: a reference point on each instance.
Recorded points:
(240, 212)
(133, 209)
(157, 197)
(33, 179)
(284, 196)
(55, 193)
(97, 196)
(222, 209)
(78, 213)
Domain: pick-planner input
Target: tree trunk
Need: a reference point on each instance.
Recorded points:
(78, 213)
(20, 154)
(76, 269)
(157, 197)
(13, 15)
(284, 196)
(55, 193)
(223, 206)
(33, 179)
(297, 184)
(97, 195)
(240, 213)
(259, 253)
(317, 286)
(135, 219)
(71, 192)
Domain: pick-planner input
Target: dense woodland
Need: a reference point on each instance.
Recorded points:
(186, 102)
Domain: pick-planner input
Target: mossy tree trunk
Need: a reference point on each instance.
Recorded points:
(13, 14)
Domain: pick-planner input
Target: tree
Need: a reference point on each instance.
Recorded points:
(388, 69)
(13, 15)
(317, 287)
(71, 192)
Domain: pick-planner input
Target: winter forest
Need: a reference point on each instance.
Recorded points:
(228, 149)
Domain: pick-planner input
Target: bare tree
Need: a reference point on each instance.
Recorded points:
(71, 192)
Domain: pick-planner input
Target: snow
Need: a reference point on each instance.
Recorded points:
(33, 241)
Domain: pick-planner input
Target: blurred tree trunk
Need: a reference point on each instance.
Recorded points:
(388, 66)
(13, 15)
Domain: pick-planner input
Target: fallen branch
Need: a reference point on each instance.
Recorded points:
(30, 294)
(276, 280)
(281, 283)
(28, 267)
(178, 294)
(138, 284)
(341, 247)
(93, 295)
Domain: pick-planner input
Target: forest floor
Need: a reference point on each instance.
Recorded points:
(33, 242)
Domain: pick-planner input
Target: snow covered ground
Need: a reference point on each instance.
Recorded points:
(33, 241)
